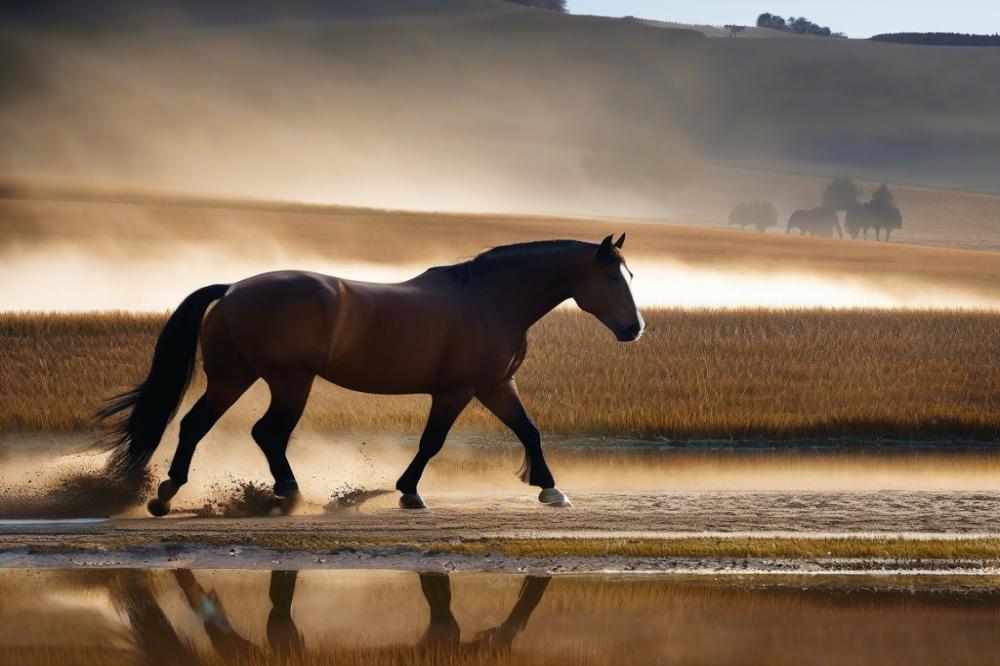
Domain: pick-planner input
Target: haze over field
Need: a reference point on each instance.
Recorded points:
(367, 104)
(146, 254)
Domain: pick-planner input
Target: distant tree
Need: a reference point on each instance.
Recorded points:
(841, 194)
(803, 26)
(772, 21)
(551, 5)
(800, 25)
(758, 214)
(939, 39)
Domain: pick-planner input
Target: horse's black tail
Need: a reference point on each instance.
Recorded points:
(132, 439)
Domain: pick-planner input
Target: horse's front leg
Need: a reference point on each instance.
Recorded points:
(444, 410)
(501, 637)
(505, 403)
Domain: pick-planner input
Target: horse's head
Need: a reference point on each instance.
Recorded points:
(605, 291)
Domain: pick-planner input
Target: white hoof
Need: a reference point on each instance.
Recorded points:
(553, 497)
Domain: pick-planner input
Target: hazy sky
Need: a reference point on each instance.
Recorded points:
(857, 18)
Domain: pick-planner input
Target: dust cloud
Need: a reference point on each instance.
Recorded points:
(371, 113)
(46, 485)
(336, 472)
(478, 107)
(64, 278)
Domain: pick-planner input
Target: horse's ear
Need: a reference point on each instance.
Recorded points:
(605, 250)
(620, 241)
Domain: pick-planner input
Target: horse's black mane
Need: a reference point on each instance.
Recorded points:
(504, 256)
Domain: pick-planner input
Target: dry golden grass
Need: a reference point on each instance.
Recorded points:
(695, 374)
(737, 547)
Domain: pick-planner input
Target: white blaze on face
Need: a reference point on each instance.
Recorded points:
(628, 280)
(625, 273)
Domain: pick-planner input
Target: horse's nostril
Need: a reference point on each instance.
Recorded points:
(630, 332)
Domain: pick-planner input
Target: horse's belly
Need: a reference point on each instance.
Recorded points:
(402, 371)
(374, 381)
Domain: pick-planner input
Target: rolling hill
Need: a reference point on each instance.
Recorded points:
(477, 105)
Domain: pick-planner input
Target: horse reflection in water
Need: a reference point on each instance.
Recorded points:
(443, 633)
(157, 642)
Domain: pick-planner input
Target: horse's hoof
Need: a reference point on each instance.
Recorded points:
(289, 501)
(158, 507)
(411, 501)
(553, 497)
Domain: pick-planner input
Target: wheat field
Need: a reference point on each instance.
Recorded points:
(695, 374)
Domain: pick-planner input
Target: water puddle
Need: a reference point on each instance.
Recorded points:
(183, 616)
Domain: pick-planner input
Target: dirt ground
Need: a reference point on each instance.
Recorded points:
(401, 536)
(621, 494)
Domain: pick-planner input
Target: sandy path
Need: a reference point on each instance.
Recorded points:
(455, 516)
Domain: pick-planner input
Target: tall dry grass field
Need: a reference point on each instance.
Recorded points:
(695, 374)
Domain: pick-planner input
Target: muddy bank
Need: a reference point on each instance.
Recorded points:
(410, 558)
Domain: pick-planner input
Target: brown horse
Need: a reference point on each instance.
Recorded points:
(454, 332)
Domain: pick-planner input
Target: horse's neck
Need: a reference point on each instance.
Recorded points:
(527, 292)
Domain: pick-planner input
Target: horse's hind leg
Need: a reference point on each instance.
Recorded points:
(226, 383)
(274, 429)
(444, 410)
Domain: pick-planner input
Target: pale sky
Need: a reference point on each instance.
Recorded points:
(857, 18)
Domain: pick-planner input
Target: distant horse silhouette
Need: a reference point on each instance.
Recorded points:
(822, 222)
(875, 215)
(455, 332)
(759, 214)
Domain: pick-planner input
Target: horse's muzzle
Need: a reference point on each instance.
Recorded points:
(630, 333)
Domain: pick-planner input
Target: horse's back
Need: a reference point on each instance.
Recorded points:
(418, 336)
